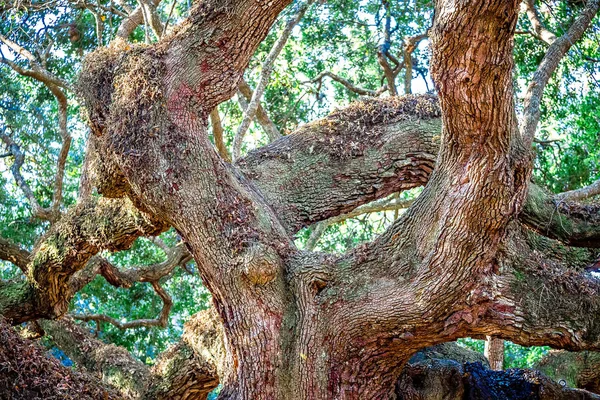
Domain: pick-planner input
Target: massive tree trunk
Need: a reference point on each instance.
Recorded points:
(303, 325)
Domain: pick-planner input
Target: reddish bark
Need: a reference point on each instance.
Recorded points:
(309, 325)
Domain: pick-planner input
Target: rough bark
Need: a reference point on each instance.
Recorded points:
(301, 325)
(112, 364)
(27, 372)
(329, 167)
(188, 370)
(494, 352)
(581, 370)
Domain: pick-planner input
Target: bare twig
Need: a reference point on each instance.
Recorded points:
(162, 320)
(261, 115)
(556, 52)
(347, 84)
(176, 256)
(265, 75)
(37, 210)
(386, 204)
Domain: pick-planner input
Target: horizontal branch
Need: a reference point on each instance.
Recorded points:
(347, 84)
(28, 372)
(188, 369)
(329, 167)
(571, 223)
(580, 194)
(543, 295)
(115, 365)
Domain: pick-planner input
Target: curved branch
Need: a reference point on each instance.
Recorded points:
(162, 320)
(367, 151)
(571, 223)
(14, 254)
(37, 210)
(84, 231)
(133, 20)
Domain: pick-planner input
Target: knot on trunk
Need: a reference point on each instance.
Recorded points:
(261, 264)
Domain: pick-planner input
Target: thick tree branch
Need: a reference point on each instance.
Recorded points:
(571, 223)
(28, 372)
(302, 194)
(188, 369)
(368, 151)
(579, 369)
(114, 364)
(556, 51)
(87, 229)
(542, 295)
(14, 254)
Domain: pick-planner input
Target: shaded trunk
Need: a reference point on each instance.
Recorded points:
(494, 352)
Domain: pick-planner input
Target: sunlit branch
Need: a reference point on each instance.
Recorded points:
(265, 76)
(556, 51)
